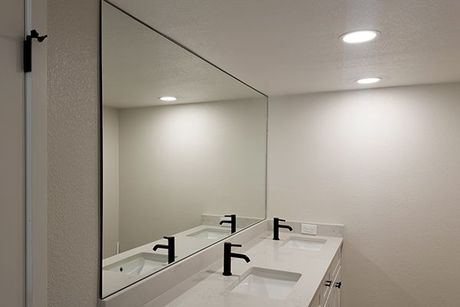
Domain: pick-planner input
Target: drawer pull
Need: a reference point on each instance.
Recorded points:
(338, 284)
(328, 283)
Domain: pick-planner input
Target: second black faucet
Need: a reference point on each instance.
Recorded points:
(277, 226)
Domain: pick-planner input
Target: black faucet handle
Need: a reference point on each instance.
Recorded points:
(230, 215)
(279, 220)
(169, 238)
(230, 244)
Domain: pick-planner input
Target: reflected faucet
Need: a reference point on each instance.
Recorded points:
(277, 226)
(170, 247)
(228, 255)
(232, 222)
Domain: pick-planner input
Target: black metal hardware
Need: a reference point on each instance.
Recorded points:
(228, 255)
(328, 283)
(232, 222)
(277, 226)
(28, 48)
(170, 247)
(338, 284)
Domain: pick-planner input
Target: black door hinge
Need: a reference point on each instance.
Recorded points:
(28, 48)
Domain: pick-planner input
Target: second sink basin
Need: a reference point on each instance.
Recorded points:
(267, 283)
(138, 264)
(309, 244)
(210, 234)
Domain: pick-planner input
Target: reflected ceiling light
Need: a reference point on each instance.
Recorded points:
(369, 80)
(168, 98)
(357, 37)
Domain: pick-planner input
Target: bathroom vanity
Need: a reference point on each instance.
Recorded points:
(297, 270)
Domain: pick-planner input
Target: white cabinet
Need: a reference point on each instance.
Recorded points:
(329, 292)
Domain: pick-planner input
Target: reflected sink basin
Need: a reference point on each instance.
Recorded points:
(139, 264)
(308, 244)
(267, 283)
(210, 234)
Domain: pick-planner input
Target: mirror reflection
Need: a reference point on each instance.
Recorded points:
(184, 152)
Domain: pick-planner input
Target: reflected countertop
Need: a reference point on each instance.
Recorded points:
(185, 245)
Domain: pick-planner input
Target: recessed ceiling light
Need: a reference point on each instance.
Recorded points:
(168, 98)
(369, 80)
(357, 37)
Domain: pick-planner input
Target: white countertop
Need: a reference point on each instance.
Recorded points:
(210, 288)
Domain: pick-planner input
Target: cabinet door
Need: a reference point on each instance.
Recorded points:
(327, 284)
(325, 289)
(337, 288)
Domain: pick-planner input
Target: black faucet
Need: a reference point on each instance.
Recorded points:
(277, 226)
(170, 247)
(232, 221)
(228, 255)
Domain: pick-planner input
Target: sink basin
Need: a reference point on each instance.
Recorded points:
(139, 264)
(210, 233)
(267, 283)
(308, 244)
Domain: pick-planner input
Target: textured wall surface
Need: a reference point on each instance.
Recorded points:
(73, 153)
(386, 163)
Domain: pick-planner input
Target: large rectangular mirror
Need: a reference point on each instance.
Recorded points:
(172, 166)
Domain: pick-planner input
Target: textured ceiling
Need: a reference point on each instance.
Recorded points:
(287, 47)
(139, 66)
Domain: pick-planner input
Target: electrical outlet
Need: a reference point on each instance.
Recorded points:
(309, 229)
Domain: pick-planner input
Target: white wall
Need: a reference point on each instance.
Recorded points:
(12, 189)
(110, 181)
(180, 161)
(386, 163)
(73, 185)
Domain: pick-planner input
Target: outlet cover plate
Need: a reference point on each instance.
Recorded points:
(309, 229)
